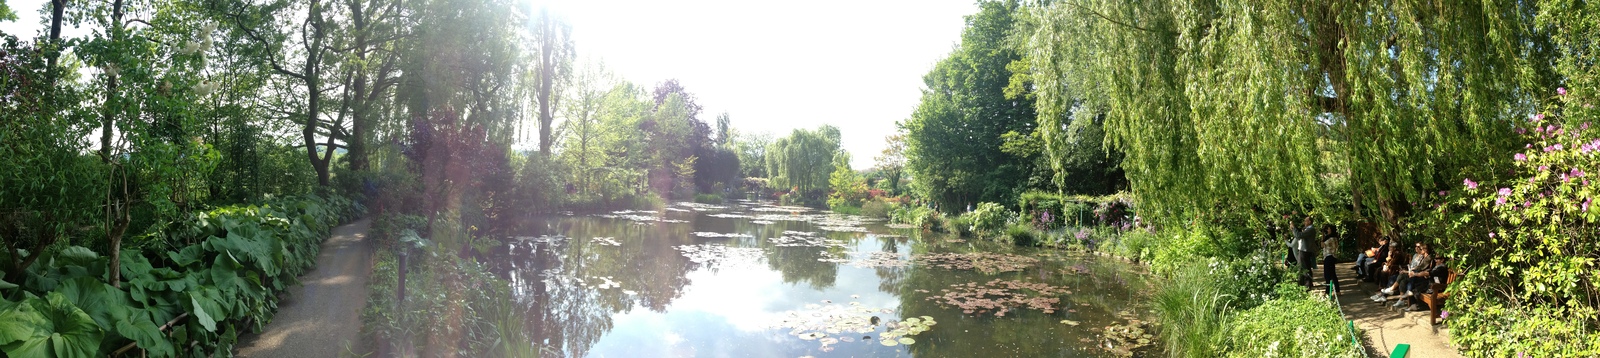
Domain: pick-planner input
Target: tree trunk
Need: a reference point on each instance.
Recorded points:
(546, 76)
(313, 80)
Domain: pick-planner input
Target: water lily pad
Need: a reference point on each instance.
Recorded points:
(1069, 322)
(906, 340)
(889, 342)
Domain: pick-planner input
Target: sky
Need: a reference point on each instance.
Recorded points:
(772, 66)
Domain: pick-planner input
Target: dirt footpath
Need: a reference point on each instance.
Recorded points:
(322, 316)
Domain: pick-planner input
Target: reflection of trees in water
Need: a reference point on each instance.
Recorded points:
(1108, 286)
(570, 316)
(889, 278)
(798, 263)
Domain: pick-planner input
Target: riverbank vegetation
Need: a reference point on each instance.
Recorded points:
(1219, 120)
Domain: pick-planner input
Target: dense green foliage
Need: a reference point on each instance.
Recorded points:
(803, 162)
(1531, 242)
(953, 138)
(213, 277)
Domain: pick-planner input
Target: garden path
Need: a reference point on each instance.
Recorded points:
(1387, 327)
(322, 316)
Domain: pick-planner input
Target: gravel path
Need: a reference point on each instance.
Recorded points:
(322, 316)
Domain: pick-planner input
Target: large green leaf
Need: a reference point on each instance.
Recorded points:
(199, 305)
(63, 331)
(6, 285)
(138, 326)
(99, 300)
(77, 255)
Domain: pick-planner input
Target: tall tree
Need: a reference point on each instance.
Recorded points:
(1224, 105)
(954, 136)
(553, 48)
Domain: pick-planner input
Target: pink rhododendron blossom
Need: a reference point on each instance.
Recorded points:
(1470, 184)
(1561, 91)
(1520, 157)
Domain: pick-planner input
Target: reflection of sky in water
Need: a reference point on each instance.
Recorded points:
(731, 303)
(730, 313)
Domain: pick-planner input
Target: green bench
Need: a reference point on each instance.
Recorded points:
(1400, 351)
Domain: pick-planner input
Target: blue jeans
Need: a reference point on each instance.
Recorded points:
(1361, 264)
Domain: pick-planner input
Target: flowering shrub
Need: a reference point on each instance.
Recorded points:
(1527, 245)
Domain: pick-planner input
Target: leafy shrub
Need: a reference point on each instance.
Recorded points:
(1526, 245)
(448, 299)
(708, 198)
(225, 282)
(386, 228)
(1292, 326)
(877, 209)
(960, 225)
(1042, 209)
(1023, 235)
(988, 218)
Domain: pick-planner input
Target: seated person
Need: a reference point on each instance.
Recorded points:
(1369, 260)
(1413, 277)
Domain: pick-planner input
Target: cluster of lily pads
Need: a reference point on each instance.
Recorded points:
(640, 217)
(1000, 296)
(805, 241)
(880, 259)
(832, 324)
(715, 235)
(1122, 339)
(721, 255)
(698, 206)
(730, 216)
(989, 263)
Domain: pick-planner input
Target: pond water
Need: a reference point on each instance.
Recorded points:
(757, 280)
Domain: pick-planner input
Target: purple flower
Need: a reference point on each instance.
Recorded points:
(1586, 204)
(1544, 168)
(1538, 117)
(1558, 146)
(1444, 193)
(1504, 192)
(1500, 201)
(1584, 127)
(1522, 131)
(1561, 91)
(1469, 183)
(1520, 157)
(1491, 234)
(1446, 314)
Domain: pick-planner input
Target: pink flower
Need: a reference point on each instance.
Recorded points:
(1522, 131)
(1468, 182)
(1558, 146)
(1491, 234)
(1544, 168)
(1561, 91)
(1444, 193)
(1586, 204)
(1500, 201)
(1584, 127)
(1504, 192)
(1520, 157)
(1538, 117)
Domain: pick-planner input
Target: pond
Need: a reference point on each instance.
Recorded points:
(753, 279)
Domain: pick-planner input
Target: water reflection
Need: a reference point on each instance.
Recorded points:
(663, 291)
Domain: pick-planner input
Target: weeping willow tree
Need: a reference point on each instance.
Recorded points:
(1353, 109)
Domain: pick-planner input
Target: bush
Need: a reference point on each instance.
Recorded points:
(877, 209)
(1023, 235)
(1526, 244)
(988, 219)
(1292, 326)
(708, 198)
(1194, 314)
(960, 225)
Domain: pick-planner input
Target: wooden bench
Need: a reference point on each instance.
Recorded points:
(1435, 300)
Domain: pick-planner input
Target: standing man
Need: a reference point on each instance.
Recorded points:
(1305, 242)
